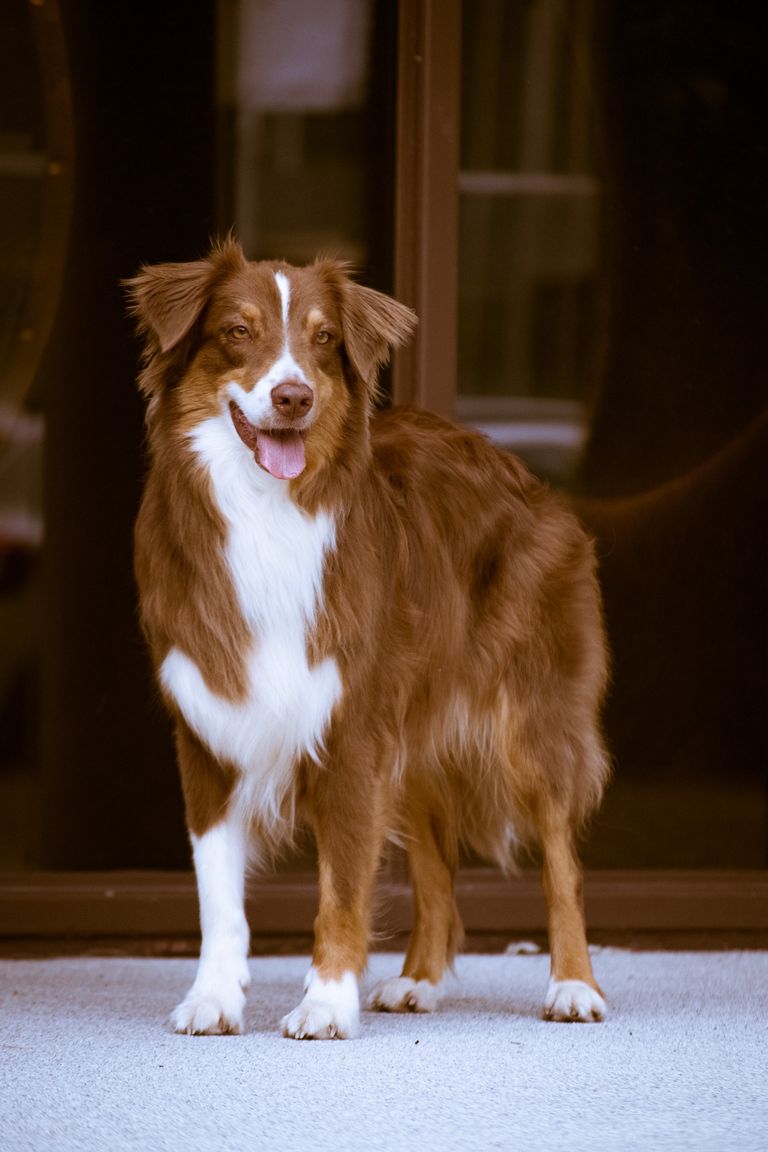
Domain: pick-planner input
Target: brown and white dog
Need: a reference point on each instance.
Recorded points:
(374, 623)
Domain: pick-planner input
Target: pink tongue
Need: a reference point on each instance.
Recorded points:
(281, 453)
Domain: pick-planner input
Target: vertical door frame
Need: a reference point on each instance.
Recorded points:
(427, 199)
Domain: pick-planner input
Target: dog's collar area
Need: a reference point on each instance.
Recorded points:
(281, 453)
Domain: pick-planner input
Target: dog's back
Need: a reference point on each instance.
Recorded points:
(490, 636)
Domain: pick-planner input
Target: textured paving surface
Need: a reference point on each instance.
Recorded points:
(88, 1061)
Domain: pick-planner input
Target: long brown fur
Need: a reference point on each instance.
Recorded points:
(460, 604)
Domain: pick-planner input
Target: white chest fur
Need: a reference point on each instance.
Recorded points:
(275, 553)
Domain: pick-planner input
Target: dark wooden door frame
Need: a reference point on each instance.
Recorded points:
(427, 198)
(93, 907)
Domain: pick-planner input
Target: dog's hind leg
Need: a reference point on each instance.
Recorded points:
(437, 932)
(573, 994)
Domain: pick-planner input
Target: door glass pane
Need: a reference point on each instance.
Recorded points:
(306, 96)
(618, 373)
(529, 235)
(34, 220)
(306, 100)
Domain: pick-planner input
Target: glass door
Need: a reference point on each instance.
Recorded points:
(570, 194)
(596, 154)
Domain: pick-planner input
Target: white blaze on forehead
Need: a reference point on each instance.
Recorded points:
(284, 288)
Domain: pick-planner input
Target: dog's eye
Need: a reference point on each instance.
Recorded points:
(323, 336)
(238, 332)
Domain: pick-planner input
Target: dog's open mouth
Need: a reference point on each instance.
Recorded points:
(281, 453)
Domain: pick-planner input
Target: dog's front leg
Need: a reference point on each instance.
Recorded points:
(214, 1003)
(348, 830)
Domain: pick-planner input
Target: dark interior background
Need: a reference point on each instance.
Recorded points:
(672, 482)
(142, 91)
(674, 476)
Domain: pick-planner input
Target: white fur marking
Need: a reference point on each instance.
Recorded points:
(284, 288)
(573, 1000)
(214, 1003)
(330, 1009)
(275, 553)
(256, 403)
(404, 994)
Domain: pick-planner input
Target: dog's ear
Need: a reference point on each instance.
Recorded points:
(373, 324)
(167, 299)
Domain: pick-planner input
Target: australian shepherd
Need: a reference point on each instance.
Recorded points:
(372, 622)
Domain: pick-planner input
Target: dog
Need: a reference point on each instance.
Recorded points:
(373, 622)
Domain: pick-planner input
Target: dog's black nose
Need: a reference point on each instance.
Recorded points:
(292, 399)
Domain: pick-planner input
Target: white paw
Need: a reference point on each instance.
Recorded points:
(402, 994)
(210, 1013)
(330, 1010)
(573, 1000)
(214, 1004)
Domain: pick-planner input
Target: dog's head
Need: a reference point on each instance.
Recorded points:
(291, 354)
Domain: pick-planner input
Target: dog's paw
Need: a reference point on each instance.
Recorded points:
(573, 1001)
(215, 1002)
(402, 994)
(204, 1013)
(330, 1010)
(316, 1020)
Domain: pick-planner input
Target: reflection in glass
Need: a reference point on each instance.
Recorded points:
(528, 229)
